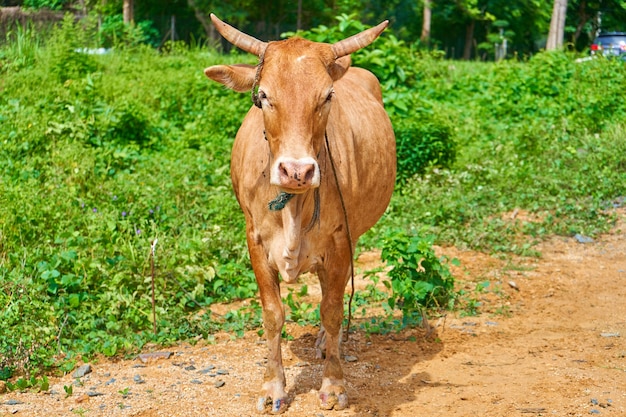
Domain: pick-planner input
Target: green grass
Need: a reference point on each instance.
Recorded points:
(103, 154)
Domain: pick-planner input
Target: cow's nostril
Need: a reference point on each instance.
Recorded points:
(283, 170)
(309, 173)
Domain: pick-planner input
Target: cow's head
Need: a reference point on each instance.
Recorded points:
(295, 90)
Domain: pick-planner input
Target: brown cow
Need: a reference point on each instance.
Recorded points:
(316, 151)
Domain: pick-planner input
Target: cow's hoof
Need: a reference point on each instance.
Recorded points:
(266, 405)
(331, 400)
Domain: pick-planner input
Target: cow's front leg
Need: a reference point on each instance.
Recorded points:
(332, 394)
(272, 398)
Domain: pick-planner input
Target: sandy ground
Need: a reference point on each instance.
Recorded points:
(549, 342)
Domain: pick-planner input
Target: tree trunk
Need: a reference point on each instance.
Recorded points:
(83, 7)
(425, 38)
(299, 22)
(208, 27)
(469, 39)
(557, 25)
(583, 18)
(129, 12)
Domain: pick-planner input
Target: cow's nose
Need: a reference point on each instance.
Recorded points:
(296, 174)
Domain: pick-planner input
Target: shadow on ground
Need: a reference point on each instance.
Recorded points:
(382, 372)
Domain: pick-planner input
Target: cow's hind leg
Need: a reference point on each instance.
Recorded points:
(332, 394)
(320, 343)
(272, 398)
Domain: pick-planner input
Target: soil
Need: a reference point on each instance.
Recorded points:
(549, 341)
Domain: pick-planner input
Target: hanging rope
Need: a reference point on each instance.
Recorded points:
(348, 234)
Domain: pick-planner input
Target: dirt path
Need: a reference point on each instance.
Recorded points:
(553, 347)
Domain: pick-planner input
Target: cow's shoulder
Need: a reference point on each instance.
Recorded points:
(358, 78)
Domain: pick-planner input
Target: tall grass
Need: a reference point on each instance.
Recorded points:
(20, 47)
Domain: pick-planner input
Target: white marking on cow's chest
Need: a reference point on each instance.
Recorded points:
(292, 231)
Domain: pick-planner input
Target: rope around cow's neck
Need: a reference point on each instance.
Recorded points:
(255, 96)
(280, 201)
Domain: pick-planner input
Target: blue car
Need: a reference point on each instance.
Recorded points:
(610, 44)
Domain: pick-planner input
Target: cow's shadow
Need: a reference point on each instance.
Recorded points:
(382, 372)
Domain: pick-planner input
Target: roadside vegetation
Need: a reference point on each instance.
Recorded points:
(108, 162)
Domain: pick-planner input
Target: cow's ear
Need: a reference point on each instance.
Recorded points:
(238, 77)
(339, 67)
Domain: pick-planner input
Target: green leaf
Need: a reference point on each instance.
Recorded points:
(74, 300)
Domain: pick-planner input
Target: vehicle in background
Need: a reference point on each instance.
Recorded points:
(610, 44)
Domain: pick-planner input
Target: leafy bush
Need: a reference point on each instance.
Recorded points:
(419, 279)
(422, 141)
(64, 56)
(524, 140)
(102, 156)
(114, 33)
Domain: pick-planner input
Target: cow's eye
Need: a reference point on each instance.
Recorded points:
(330, 96)
(265, 102)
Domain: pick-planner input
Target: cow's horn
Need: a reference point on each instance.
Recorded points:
(358, 41)
(238, 38)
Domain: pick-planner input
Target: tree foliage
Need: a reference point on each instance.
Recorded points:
(472, 29)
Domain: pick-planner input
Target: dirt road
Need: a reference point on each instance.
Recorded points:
(550, 343)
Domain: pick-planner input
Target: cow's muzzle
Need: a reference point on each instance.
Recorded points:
(295, 175)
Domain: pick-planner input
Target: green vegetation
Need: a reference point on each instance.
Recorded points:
(103, 154)
(418, 278)
(543, 136)
(33, 384)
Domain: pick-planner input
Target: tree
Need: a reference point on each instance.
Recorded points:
(473, 12)
(425, 38)
(129, 12)
(557, 25)
(204, 20)
(584, 16)
(462, 28)
(299, 21)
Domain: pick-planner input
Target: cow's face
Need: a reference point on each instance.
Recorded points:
(295, 92)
